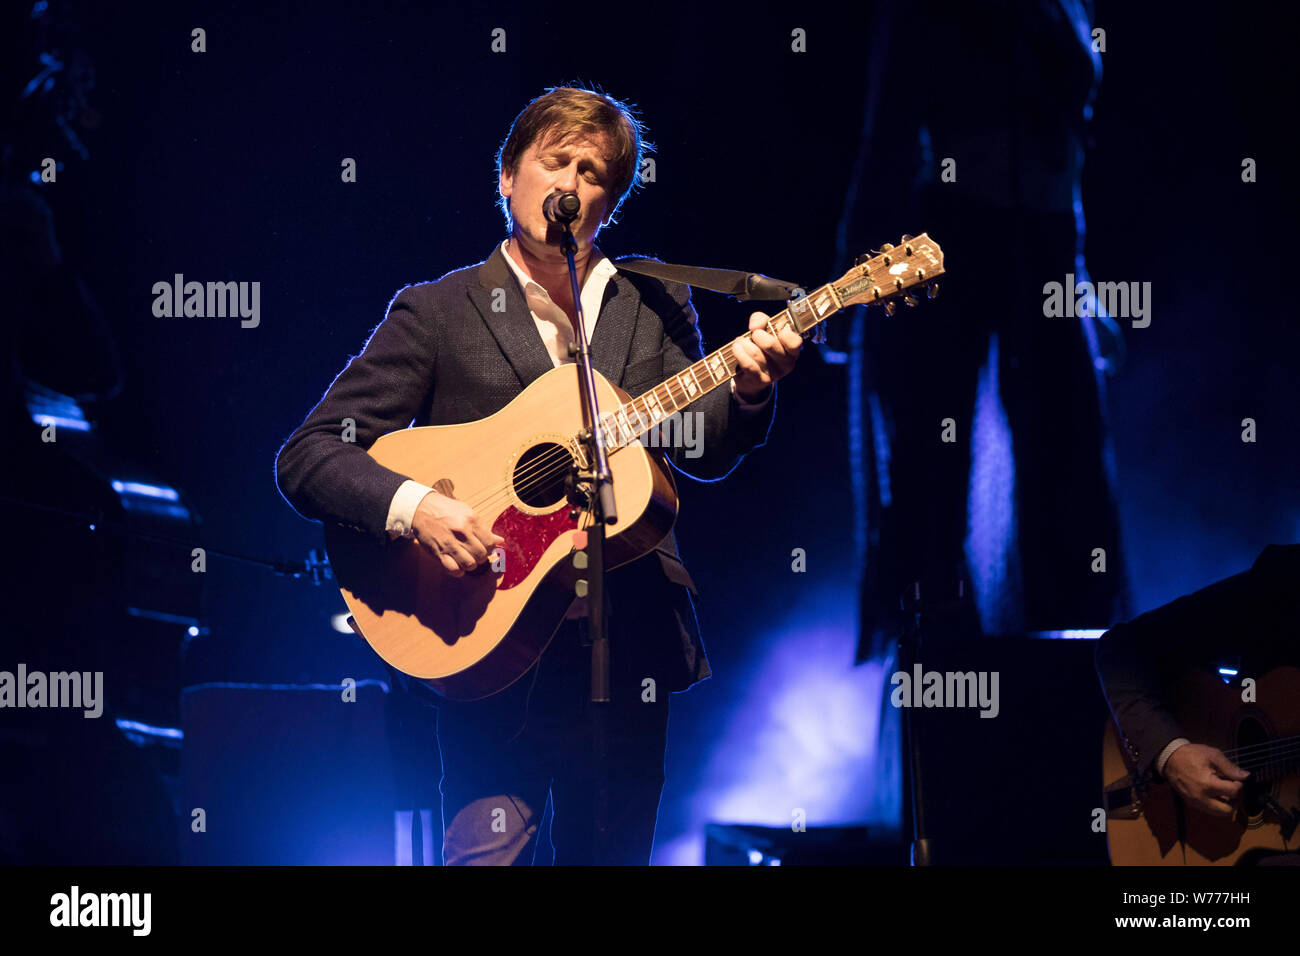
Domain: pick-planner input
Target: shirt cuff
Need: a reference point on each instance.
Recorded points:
(1168, 752)
(750, 406)
(401, 513)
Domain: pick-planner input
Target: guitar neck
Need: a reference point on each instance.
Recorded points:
(878, 280)
(632, 420)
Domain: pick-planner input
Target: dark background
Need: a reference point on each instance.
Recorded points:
(225, 165)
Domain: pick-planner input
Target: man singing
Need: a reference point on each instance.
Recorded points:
(447, 353)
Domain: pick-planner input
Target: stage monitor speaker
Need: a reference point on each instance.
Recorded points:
(740, 845)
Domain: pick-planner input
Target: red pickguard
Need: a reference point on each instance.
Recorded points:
(527, 538)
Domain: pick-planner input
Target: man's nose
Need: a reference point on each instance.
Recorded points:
(568, 180)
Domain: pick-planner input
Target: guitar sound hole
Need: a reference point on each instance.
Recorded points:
(540, 474)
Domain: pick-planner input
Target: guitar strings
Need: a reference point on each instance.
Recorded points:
(1284, 758)
(1279, 760)
(548, 467)
(551, 465)
(1265, 744)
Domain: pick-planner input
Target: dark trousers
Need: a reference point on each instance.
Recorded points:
(501, 756)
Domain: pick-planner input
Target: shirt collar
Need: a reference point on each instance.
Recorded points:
(602, 271)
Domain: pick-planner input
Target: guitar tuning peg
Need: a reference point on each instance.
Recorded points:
(861, 259)
(887, 247)
(906, 237)
(909, 301)
(932, 290)
(891, 308)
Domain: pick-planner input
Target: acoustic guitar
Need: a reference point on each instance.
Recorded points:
(472, 636)
(1148, 823)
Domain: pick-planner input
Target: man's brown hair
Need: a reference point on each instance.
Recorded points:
(564, 110)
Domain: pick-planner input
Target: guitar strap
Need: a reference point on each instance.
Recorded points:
(741, 286)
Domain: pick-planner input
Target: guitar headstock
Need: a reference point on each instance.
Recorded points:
(895, 272)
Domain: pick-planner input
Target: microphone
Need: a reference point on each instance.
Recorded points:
(561, 207)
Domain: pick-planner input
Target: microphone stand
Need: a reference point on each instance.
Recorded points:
(909, 648)
(919, 621)
(596, 485)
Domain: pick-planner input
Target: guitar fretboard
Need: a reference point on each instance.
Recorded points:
(630, 421)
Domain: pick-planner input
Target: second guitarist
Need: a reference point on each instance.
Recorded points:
(1248, 624)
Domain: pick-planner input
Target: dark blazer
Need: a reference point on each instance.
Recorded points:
(442, 356)
(1250, 621)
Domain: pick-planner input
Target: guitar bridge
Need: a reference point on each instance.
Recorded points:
(579, 452)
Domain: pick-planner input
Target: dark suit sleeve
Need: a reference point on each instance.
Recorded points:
(729, 433)
(327, 478)
(1138, 662)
